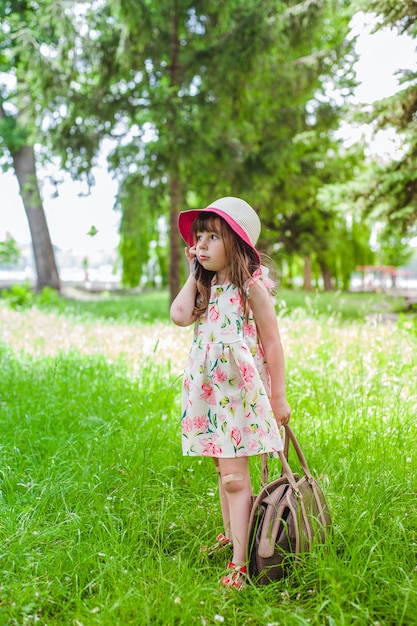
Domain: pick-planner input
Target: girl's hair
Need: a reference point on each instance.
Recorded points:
(242, 261)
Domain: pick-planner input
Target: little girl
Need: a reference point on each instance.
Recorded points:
(234, 382)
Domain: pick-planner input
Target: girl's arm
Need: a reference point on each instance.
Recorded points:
(182, 308)
(266, 322)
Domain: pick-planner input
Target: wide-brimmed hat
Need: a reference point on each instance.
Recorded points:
(238, 214)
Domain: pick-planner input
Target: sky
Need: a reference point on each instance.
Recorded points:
(71, 213)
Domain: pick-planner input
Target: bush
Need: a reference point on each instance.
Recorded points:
(22, 296)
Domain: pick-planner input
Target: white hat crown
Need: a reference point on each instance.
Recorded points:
(242, 213)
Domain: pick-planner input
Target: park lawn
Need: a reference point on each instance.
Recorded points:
(102, 519)
(154, 305)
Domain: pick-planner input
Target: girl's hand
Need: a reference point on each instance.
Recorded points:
(281, 409)
(191, 255)
(182, 309)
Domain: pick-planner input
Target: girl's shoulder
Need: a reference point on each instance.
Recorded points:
(261, 274)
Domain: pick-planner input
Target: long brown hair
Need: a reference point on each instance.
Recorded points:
(242, 261)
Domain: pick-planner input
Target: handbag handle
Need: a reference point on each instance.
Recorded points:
(283, 457)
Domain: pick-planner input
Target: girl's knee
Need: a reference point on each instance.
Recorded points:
(233, 482)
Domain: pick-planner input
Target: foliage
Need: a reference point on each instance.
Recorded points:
(140, 237)
(9, 251)
(29, 36)
(394, 250)
(22, 296)
(193, 124)
(392, 192)
(146, 307)
(188, 123)
(153, 306)
(296, 153)
(34, 42)
(102, 518)
(19, 295)
(350, 246)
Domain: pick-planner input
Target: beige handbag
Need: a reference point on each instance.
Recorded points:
(288, 515)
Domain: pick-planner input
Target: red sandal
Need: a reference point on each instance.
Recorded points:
(221, 544)
(236, 576)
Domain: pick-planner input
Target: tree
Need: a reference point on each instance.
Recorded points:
(393, 250)
(393, 189)
(22, 34)
(294, 154)
(191, 122)
(218, 129)
(188, 91)
(22, 156)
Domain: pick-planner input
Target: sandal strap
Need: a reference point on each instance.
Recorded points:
(222, 539)
(236, 577)
(221, 542)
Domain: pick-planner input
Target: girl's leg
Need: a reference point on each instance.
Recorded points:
(235, 479)
(223, 502)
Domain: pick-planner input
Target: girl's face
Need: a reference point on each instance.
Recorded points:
(211, 249)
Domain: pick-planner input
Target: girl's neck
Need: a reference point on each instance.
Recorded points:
(221, 278)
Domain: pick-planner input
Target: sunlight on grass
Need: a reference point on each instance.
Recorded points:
(102, 519)
(38, 333)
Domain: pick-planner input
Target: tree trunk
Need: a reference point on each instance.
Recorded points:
(25, 169)
(307, 273)
(174, 182)
(327, 277)
(174, 245)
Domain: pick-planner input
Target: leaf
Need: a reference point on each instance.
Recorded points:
(93, 231)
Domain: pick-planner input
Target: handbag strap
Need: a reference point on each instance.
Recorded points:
(283, 457)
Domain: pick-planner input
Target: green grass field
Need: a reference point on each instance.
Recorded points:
(154, 305)
(102, 519)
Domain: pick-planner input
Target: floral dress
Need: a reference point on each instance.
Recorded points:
(226, 384)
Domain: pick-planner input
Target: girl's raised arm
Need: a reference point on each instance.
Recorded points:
(266, 322)
(182, 308)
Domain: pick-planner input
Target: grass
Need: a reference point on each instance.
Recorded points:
(154, 305)
(346, 305)
(101, 518)
(145, 307)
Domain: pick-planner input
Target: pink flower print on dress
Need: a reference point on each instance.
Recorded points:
(222, 418)
(219, 376)
(228, 383)
(227, 332)
(208, 394)
(201, 423)
(210, 448)
(249, 330)
(250, 430)
(247, 372)
(262, 434)
(253, 445)
(236, 437)
(213, 313)
(232, 405)
(238, 304)
(187, 425)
